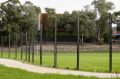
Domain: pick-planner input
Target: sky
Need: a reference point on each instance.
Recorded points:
(66, 5)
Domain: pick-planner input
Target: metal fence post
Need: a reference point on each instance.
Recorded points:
(2, 48)
(26, 45)
(33, 51)
(9, 47)
(55, 47)
(21, 46)
(29, 48)
(78, 40)
(16, 46)
(33, 45)
(110, 43)
(41, 45)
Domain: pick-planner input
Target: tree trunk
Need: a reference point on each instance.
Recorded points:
(82, 40)
(100, 41)
(99, 38)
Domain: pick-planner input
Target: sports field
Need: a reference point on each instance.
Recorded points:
(97, 62)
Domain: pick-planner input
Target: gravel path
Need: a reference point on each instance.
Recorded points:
(37, 69)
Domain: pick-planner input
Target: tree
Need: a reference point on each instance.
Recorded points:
(16, 18)
(102, 7)
(117, 20)
(10, 11)
(73, 20)
(64, 22)
(51, 18)
(29, 16)
(87, 23)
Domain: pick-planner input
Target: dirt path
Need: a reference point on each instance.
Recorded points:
(37, 69)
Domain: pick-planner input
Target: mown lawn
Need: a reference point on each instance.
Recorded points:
(12, 73)
(97, 62)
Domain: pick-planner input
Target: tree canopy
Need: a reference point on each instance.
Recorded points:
(16, 18)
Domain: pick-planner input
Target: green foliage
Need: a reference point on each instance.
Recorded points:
(17, 18)
(117, 20)
(28, 17)
(102, 6)
(67, 22)
(51, 18)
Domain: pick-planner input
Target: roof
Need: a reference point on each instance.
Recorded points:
(116, 34)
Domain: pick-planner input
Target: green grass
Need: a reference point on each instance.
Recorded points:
(12, 73)
(96, 62)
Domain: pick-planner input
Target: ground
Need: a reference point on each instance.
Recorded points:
(12, 73)
(96, 62)
(92, 57)
(44, 70)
